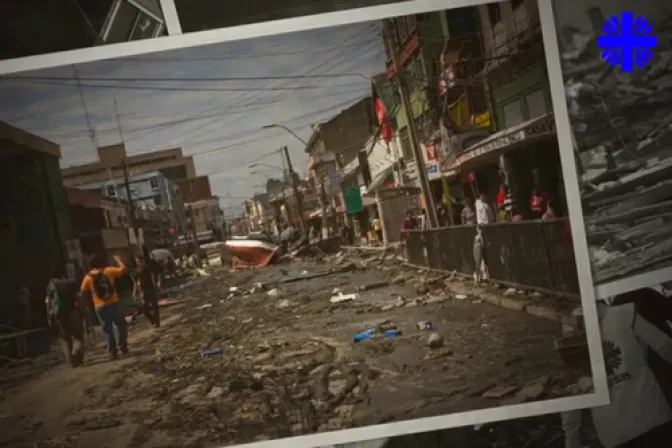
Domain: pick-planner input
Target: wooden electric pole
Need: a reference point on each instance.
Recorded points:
(415, 142)
(295, 188)
(127, 187)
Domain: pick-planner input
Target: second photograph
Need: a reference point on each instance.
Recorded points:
(325, 236)
(620, 111)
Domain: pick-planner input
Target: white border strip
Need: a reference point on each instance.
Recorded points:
(455, 420)
(170, 17)
(645, 280)
(573, 195)
(175, 42)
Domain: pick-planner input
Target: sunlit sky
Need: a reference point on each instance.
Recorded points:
(218, 121)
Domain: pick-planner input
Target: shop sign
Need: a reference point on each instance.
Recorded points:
(433, 170)
(336, 179)
(352, 197)
(546, 126)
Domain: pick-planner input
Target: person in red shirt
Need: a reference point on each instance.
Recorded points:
(537, 204)
(502, 194)
(408, 224)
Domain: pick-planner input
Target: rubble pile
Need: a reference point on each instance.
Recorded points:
(622, 125)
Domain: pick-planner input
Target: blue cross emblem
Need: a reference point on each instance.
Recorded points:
(627, 42)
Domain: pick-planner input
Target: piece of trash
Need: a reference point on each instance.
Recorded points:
(204, 306)
(373, 332)
(216, 392)
(258, 286)
(230, 296)
(215, 353)
(284, 303)
(392, 333)
(510, 292)
(275, 292)
(233, 289)
(305, 273)
(336, 291)
(435, 340)
(460, 297)
(368, 334)
(425, 325)
(343, 297)
(202, 273)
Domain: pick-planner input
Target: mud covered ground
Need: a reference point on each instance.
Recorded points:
(288, 365)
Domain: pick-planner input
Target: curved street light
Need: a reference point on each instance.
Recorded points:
(254, 165)
(285, 128)
(260, 173)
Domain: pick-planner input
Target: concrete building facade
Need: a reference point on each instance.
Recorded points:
(204, 215)
(34, 215)
(170, 162)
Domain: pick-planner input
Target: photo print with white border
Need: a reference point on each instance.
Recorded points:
(308, 292)
(637, 338)
(621, 126)
(37, 27)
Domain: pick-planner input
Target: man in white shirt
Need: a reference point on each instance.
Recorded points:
(639, 414)
(484, 214)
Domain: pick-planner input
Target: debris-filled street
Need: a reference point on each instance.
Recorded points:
(264, 353)
(622, 124)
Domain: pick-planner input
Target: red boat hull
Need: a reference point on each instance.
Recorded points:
(251, 252)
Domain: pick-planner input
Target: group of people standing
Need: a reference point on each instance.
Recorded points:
(70, 309)
(481, 212)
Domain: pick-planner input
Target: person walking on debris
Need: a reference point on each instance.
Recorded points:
(145, 285)
(156, 267)
(100, 282)
(65, 315)
(636, 332)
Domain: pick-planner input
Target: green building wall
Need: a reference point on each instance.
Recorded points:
(532, 79)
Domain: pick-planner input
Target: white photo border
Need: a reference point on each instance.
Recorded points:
(170, 17)
(599, 397)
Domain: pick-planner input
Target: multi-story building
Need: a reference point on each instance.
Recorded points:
(151, 191)
(34, 219)
(418, 42)
(195, 189)
(100, 223)
(260, 211)
(111, 160)
(523, 152)
(204, 215)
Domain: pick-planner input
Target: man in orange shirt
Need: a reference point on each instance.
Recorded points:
(100, 284)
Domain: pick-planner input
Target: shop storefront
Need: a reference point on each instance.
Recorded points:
(525, 156)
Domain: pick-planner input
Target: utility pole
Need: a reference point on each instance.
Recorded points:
(192, 214)
(127, 185)
(323, 206)
(415, 142)
(295, 188)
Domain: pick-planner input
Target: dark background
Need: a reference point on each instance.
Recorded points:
(34, 27)
(199, 15)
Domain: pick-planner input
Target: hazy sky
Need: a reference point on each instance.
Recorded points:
(220, 122)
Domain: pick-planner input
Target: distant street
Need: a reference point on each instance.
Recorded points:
(287, 364)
